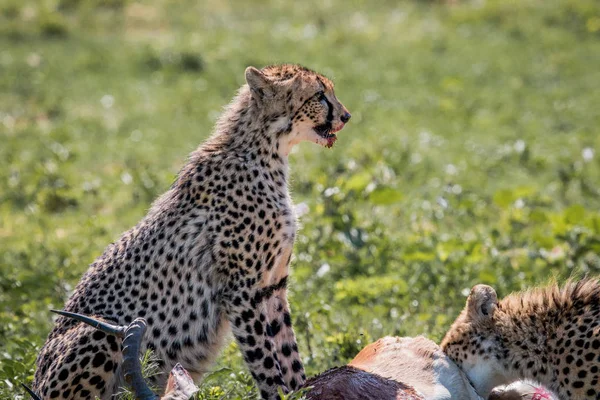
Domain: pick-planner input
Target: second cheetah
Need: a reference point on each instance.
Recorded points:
(550, 335)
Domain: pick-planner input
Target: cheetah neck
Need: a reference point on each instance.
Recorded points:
(250, 133)
(524, 336)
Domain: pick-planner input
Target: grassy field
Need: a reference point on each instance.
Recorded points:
(473, 154)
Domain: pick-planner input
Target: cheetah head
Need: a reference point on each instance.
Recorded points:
(472, 341)
(301, 104)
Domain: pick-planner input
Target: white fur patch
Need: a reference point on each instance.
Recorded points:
(485, 376)
(302, 133)
(450, 380)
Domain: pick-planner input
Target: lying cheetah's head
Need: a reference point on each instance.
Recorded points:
(300, 102)
(473, 344)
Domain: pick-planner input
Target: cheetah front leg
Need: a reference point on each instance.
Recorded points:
(248, 317)
(280, 328)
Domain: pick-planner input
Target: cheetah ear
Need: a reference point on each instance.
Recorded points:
(482, 302)
(260, 86)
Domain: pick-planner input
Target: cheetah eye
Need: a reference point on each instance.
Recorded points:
(321, 97)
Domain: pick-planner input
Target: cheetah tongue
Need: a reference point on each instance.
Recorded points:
(541, 394)
(331, 138)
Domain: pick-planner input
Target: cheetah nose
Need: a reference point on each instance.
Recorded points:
(346, 117)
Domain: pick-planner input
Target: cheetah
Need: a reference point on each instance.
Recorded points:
(210, 257)
(550, 335)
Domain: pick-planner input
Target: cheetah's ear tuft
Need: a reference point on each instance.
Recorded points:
(259, 84)
(482, 302)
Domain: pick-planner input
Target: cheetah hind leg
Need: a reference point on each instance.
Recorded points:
(80, 363)
(180, 385)
(132, 337)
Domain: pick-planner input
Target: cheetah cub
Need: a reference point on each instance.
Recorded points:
(550, 335)
(211, 255)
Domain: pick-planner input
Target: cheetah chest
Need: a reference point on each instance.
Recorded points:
(283, 236)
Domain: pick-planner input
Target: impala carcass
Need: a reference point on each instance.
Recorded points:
(396, 368)
(392, 368)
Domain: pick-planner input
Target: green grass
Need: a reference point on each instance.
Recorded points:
(473, 154)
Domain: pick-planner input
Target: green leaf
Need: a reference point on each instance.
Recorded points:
(504, 198)
(575, 214)
(538, 216)
(220, 373)
(358, 182)
(384, 196)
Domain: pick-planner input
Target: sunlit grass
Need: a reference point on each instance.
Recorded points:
(472, 155)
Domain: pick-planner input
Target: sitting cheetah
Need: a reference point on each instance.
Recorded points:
(211, 255)
(550, 335)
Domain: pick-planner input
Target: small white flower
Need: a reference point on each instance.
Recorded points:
(9, 122)
(107, 101)
(519, 203)
(136, 135)
(416, 158)
(324, 269)
(33, 60)
(442, 202)
(519, 146)
(331, 191)
(309, 31)
(587, 154)
(451, 169)
(424, 138)
(126, 178)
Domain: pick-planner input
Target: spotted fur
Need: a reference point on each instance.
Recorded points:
(550, 335)
(210, 257)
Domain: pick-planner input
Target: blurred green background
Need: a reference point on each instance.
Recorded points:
(472, 155)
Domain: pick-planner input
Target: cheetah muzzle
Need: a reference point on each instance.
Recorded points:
(326, 132)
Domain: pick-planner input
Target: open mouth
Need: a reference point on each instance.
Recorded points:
(327, 132)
